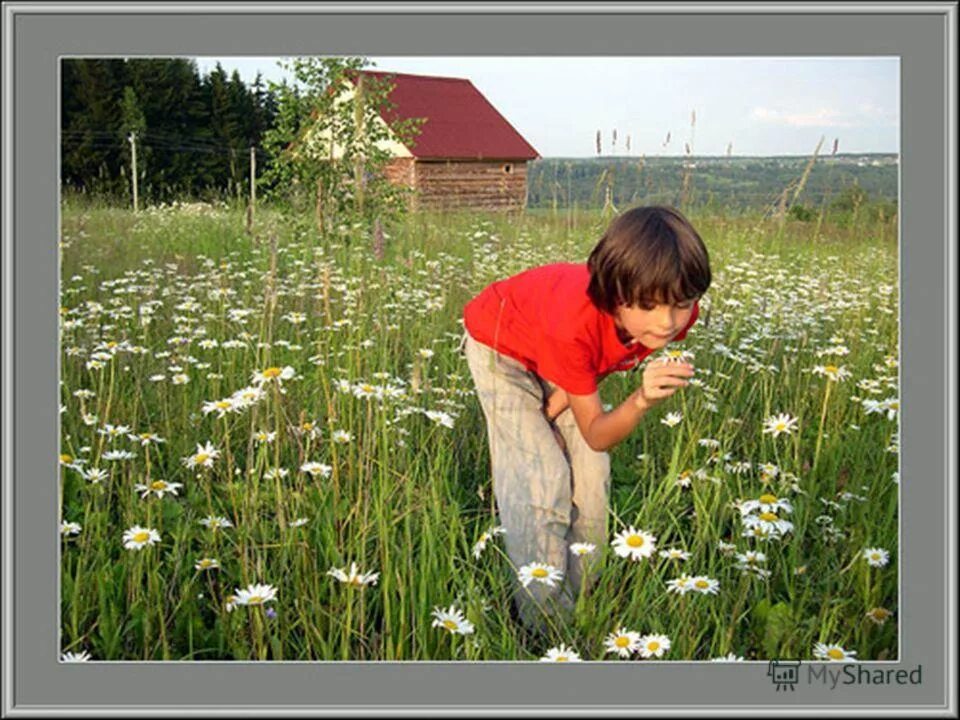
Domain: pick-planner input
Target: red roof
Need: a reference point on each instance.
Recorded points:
(461, 122)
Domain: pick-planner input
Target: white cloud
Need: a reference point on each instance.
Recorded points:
(866, 115)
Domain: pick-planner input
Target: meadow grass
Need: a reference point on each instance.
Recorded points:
(166, 313)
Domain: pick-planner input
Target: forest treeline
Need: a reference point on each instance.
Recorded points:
(193, 134)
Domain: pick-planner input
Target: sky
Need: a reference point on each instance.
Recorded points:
(757, 105)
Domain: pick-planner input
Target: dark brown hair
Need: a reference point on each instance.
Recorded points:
(648, 255)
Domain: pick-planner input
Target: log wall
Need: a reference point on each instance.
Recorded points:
(478, 184)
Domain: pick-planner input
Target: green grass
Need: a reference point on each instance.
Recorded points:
(406, 496)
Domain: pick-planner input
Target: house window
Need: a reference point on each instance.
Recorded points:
(508, 168)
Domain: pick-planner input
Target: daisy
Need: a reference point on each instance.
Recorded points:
(547, 574)
(180, 379)
(207, 564)
(72, 657)
(221, 407)
(95, 475)
(485, 537)
(230, 603)
(316, 468)
(832, 372)
(138, 537)
(561, 654)
(146, 438)
(623, 642)
(876, 557)
(878, 615)
(439, 417)
(674, 554)
(119, 455)
(680, 585)
(299, 522)
(264, 436)
(273, 374)
(834, 653)
(204, 456)
(672, 419)
(247, 397)
(69, 528)
(768, 522)
(276, 473)
(708, 443)
(452, 620)
(341, 436)
(255, 595)
(354, 577)
(766, 503)
(782, 423)
(653, 645)
(215, 523)
(581, 549)
(705, 585)
(677, 356)
(159, 487)
(729, 657)
(634, 544)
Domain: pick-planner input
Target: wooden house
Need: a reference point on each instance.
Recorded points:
(467, 155)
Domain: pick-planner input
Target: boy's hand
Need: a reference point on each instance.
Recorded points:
(661, 379)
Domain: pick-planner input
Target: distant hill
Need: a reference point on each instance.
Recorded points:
(734, 183)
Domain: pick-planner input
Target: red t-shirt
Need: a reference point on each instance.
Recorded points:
(544, 318)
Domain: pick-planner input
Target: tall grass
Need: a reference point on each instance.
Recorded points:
(375, 352)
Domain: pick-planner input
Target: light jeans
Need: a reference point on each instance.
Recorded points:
(548, 496)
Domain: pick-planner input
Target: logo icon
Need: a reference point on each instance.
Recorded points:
(784, 674)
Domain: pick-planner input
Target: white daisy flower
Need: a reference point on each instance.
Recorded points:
(157, 487)
(72, 657)
(69, 528)
(215, 522)
(766, 503)
(137, 537)
(207, 564)
(777, 424)
(581, 549)
(674, 554)
(729, 657)
(452, 620)
(705, 585)
(203, 457)
(634, 544)
(354, 577)
(768, 522)
(561, 654)
(540, 572)
(273, 374)
(316, 468)
(299, 522)
(653, 645)
(95, 475)
(341, 436)
(623, 642)
(680, 585)
(672, 419)
(876, 557)
(833, 653)
(255, 595)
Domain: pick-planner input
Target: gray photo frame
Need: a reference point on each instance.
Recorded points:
(36, 35)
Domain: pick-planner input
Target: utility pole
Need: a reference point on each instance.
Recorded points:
(133, 152)
(253, 189)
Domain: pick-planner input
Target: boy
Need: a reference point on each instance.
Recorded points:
(537, 344)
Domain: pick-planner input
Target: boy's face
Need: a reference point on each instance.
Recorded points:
(654, 325)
